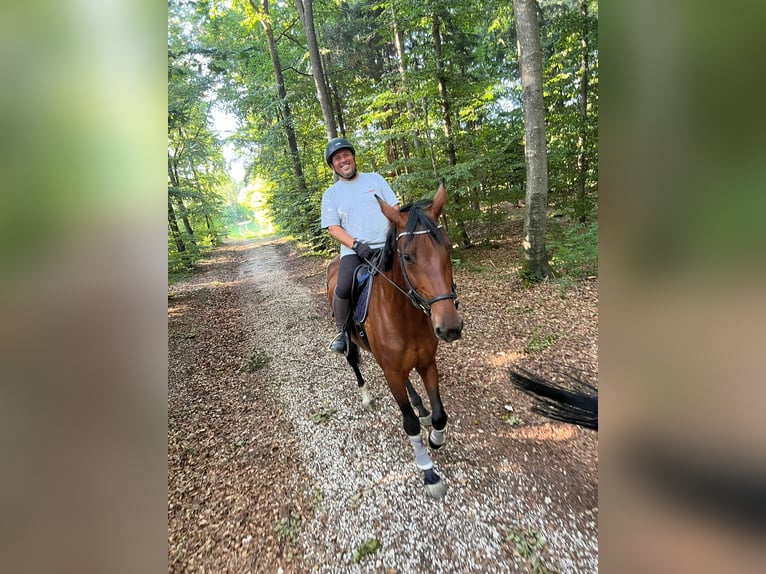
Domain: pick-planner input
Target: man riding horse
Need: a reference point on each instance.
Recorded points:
(352, 216)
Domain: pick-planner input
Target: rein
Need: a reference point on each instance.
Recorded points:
(412, 294)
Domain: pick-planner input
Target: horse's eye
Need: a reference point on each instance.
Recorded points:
(408, 258)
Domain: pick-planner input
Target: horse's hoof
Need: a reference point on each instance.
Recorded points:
(436, 439)
(433, 445)
(436, 491)
(425, 421)
(435, 486)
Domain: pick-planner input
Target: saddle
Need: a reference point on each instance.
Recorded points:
(361, 287)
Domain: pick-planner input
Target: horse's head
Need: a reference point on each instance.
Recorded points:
(423, 251)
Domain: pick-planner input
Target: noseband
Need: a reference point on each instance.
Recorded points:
(416, 298)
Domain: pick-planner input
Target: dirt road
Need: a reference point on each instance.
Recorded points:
(275, 466)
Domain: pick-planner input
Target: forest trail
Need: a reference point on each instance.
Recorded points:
(275, 466)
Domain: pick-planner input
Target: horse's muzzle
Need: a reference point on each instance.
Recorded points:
(449, 331)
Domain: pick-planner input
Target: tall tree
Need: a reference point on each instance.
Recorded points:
(306, 14)
(570, 58)
(582, 156)
(196, 170)
(535, 152)
(398, 43)
(390, 66)
(292, 141)
(441, 79)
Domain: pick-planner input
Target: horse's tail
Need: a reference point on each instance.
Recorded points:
(557, 403)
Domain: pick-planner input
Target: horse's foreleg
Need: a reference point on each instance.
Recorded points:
(435, 487)
(417, 402)
(353, 359)
(436, 437)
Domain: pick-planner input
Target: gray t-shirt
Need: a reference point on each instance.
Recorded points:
(352, 205)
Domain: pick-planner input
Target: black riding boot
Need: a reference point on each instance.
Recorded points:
(340, 308)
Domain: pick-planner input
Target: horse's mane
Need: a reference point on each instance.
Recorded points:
(417, 220)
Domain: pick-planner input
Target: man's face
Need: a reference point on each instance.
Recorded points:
(344, 164)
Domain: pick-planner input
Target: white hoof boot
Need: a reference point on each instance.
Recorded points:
(366, 397)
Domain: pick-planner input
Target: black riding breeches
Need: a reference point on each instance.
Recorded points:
(346, 275)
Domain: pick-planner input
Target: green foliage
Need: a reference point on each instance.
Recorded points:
(527, 544)
(393, 111)
(288, 528)
(320, 417)
(571, 135)
(539, 342)
(196, 170)
(511, 420)
(574, 252)
(257, 360)
(529, 277)
(367, 548)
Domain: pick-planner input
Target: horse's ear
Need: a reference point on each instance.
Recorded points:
(394, 215)
(435, 210)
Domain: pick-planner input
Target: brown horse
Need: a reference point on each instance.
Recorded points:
(412, 305)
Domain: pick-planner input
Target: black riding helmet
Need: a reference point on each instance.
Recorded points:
(335, 145)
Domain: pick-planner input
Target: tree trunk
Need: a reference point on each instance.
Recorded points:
(338, 110)
(306, 13)
(428, 138)
(174, 230)
(292, 141)
(185, 219)
(442, 81)
(581, 205)
(447, 118)
(535, 152)
(172, 217)
(403, 75)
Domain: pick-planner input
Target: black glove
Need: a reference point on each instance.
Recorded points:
(362, 250)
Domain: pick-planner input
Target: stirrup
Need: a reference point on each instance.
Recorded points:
(339, 343)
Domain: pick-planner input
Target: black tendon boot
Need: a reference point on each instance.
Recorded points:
(340, 309)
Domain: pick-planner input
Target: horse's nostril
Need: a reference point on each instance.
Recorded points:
(449, 335)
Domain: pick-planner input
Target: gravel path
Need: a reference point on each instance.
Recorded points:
(364, 477)
(356, 470)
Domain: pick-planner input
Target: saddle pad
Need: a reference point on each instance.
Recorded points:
(362, 284)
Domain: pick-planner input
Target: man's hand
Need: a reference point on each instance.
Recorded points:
(362, 250)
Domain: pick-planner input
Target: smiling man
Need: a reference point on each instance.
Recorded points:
(352, 216)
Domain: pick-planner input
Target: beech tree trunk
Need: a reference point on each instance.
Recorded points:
(306, 13)
(535, 151)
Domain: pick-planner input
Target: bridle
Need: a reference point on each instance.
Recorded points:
(412, 294)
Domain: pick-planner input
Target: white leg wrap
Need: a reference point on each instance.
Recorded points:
(437, 436)
(422, 459)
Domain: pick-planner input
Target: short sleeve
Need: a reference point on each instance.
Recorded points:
(388, 194)
(330, 214)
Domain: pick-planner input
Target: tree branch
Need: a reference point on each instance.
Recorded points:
(286, 30)
(297, 71)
